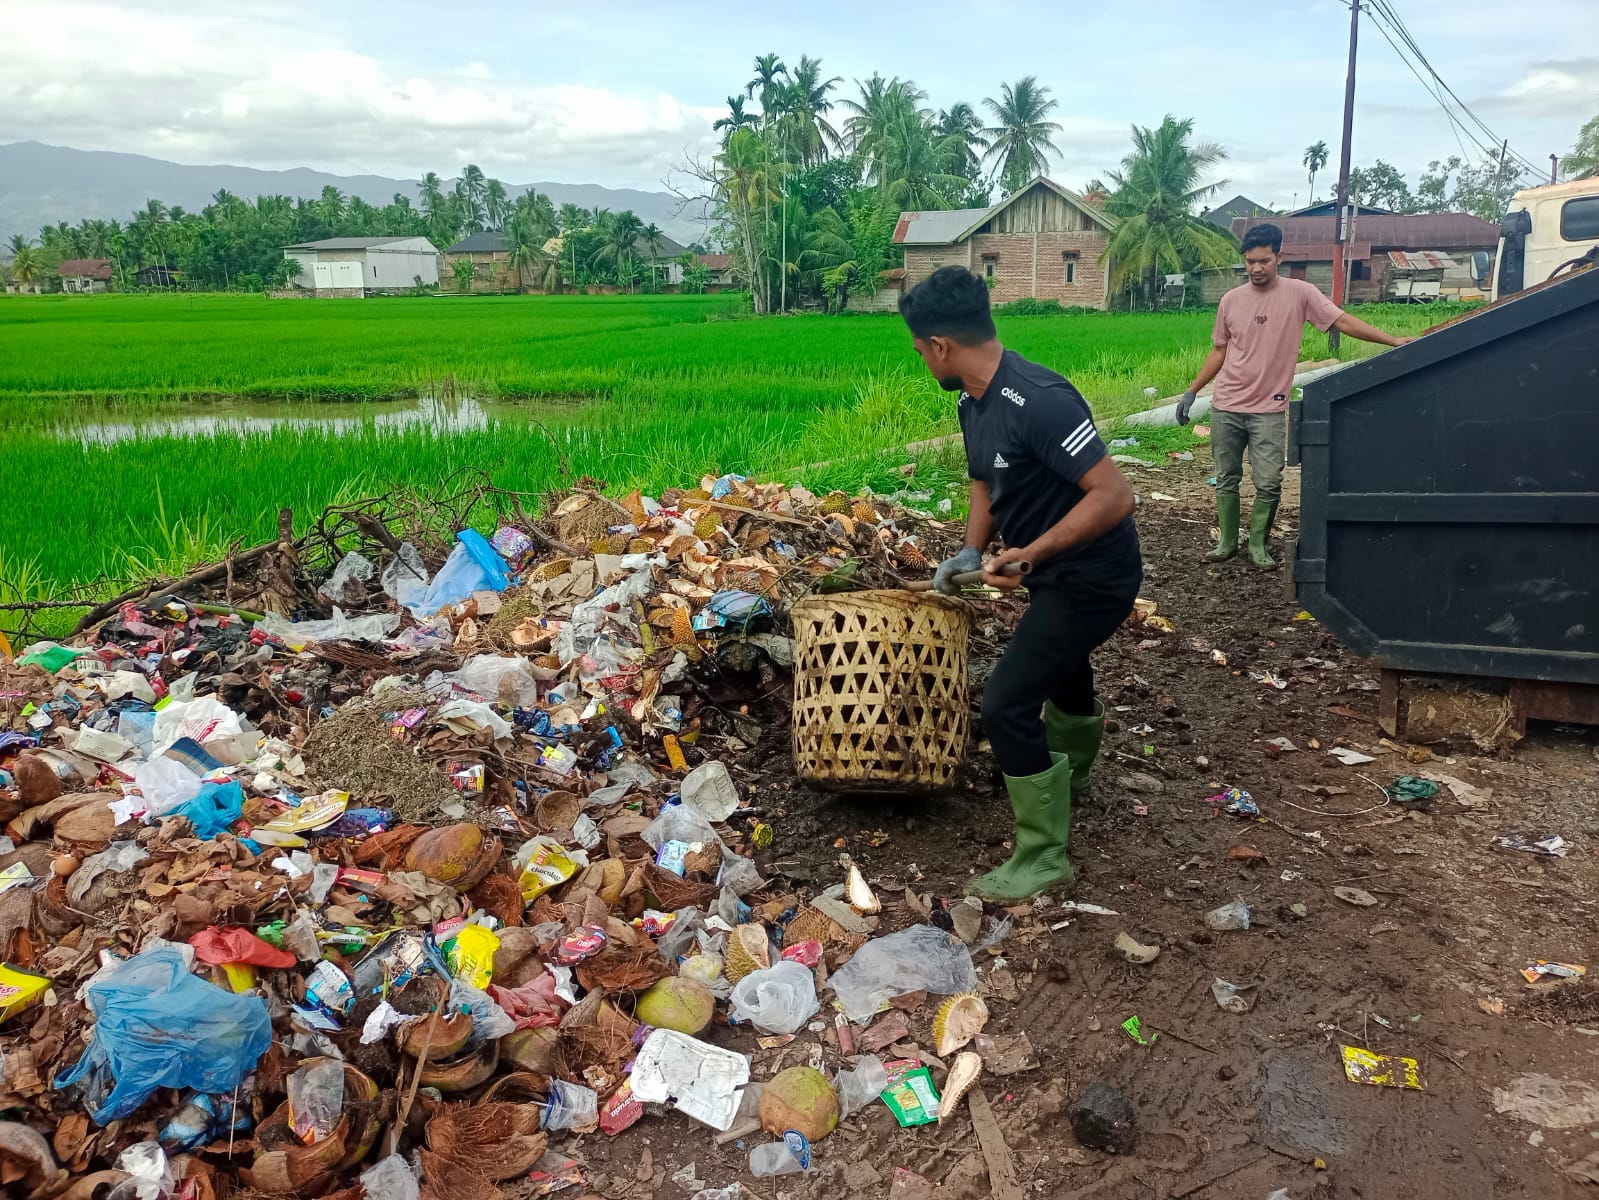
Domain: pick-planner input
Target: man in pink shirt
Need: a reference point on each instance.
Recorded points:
(1254, 349)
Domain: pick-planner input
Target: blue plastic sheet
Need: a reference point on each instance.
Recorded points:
(157, 1026)
(214, 810)
(473, 566)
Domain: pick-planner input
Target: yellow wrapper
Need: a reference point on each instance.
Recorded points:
(19, 991)
(548, 868)
(471, 955)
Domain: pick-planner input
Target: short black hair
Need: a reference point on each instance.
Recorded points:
(952, 303)
(1264, 235)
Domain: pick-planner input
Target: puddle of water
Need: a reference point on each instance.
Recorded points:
(214, 419)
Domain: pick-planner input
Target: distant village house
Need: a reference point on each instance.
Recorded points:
(85, 274)
(358, 266)
(1042, 241)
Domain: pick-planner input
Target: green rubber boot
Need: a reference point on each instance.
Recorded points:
(1260, 519)
(1043, 807)
(1077, 738)
(1227, 522)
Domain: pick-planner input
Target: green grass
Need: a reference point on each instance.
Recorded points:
(674, 386)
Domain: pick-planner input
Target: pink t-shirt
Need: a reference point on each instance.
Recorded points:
(1261, 330)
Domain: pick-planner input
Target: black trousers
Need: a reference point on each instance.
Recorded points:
(1048, 659)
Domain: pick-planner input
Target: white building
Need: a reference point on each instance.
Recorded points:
(355, 266)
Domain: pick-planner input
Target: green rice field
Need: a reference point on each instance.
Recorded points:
(141, 435)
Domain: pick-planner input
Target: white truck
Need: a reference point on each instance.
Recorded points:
(1545, 229)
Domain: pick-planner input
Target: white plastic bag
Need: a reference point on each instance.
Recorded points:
(921, 958)
(347, 584)
(709, 790)
(490, 1022)
(493, 676)
(678, 823)
(373, 628)
(391, 1179)
(205, 720)
(165, 784)
(777, 999)
(858, 1087)
(405, 578)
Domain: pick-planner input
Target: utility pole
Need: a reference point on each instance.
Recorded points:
(1554, 164)
(1340, 218)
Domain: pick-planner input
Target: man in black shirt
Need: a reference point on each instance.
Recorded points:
(1042, 479)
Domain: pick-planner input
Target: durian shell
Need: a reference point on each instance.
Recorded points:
(963, 1073)
(682, 627)
(553, 569)
(909, 555)
(958, 1021)
(812, 925)
(835, 502)
(747, 950)
(706, 524)
(859, 893)
(863, 511)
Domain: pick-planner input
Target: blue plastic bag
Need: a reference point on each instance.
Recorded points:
(156, 1026)
(216, 808)
(473, 566)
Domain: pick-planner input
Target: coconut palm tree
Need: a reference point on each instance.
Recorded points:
(909, 168)
(1315, 159)
(1020, 140)
(525, 241)
(883, 102)
(330, 206)
(959, 133)
(1156, 193)
(621, 236)
(431, 190)
(1583, 161)
(652, 235)
(496, 206)
(746, 185)
(27, 264)
(806, 134)
(736, 118)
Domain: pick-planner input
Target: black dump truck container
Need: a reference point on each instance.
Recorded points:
(1449, 516)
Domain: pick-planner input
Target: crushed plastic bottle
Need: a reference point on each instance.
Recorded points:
(773, 1158)
(1228, 917)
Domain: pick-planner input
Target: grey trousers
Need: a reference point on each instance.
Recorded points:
(1264, 435)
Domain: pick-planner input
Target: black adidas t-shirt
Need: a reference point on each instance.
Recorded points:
(1030, 439)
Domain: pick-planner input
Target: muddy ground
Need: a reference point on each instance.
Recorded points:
(1229, 1105)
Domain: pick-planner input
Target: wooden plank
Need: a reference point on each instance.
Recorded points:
(1002, 1181)
(1388, 702)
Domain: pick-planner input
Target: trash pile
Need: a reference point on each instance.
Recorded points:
(375, 885)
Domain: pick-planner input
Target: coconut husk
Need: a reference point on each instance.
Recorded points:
(499, 1140)
(499, 896)
(593, 1046)
(386, 850)
(672, 892)
(451, 1180)
(605, 879)
(296, 1168)
(535, 1052)
(582, 517)
(460, 855)
(97, 825)
(519, 1088)
(556, 811)
(623, 969)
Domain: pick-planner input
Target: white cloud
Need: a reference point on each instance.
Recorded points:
(207, 84)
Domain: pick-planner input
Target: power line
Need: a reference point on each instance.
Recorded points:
(1384, 9)
(1455, 125)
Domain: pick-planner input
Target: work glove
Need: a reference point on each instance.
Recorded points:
(1183, 407)
(968, 559)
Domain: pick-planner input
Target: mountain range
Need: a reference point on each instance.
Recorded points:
(42, 185)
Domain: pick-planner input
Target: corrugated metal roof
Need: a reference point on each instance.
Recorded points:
(347, 243)
(92, 268)
(938, 227)
(1401, 231)
(1323, 251)
(1420, 260)
(489, 241)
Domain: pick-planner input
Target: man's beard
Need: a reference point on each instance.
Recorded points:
(952, 383)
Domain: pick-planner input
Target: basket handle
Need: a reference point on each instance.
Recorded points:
(967, 578)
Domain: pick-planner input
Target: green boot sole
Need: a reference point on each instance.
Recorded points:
(1043, 809)
(1078, 738)
(1227, 509)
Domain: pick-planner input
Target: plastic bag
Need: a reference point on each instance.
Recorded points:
(347, 584)
(158, 1026)
(473, 566)
(678, 823)
(214, 810)
(1228, 916)
(372, 628)
(777, 999)
(404, 577)
(921, 958)
(494, 677)
(709, 790)
(859, 1087)
(490, 1022)
(739, 873)
(391, 1179)
(165, 784)
(468, 716)
(205, 720)
(570, 1106)
(316, 1098)
(150, 1176)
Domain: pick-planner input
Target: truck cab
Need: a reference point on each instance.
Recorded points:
(1545, 228)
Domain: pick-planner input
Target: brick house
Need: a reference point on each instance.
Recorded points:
(1042, 241)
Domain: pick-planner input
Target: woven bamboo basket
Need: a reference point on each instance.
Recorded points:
(880, 699)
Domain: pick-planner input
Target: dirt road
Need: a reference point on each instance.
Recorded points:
(1230, 1104)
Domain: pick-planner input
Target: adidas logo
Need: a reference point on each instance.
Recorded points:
(1015, 399)
(999, 461)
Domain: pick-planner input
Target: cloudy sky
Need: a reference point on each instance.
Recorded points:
(613, 92)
